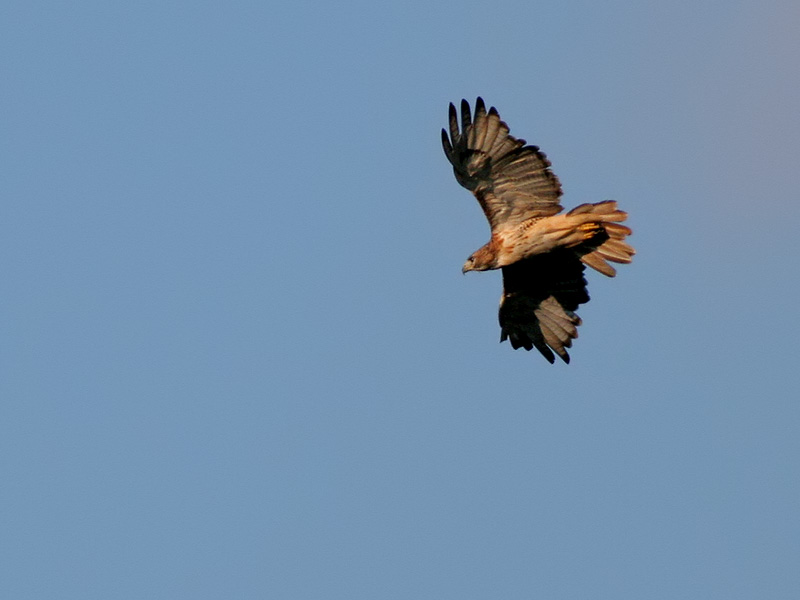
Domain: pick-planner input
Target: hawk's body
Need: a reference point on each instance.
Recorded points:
(540, 251)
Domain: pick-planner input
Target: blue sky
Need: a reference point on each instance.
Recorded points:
(239, 359)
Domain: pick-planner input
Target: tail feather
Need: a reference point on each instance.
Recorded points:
(598, 264)
(608, 244)
(603, 212)
(616, 251)
(617, 231)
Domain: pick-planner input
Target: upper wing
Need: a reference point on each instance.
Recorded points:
(540, 296)
(513, 182)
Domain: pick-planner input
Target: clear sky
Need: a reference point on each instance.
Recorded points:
(238, 356)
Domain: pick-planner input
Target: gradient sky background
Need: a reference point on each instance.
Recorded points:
(239, 359)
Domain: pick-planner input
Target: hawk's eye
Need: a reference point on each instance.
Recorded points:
(472, 259)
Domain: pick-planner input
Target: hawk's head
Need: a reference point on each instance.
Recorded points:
(482, 259)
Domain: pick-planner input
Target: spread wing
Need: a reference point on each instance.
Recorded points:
(540, 296)
(513, 182)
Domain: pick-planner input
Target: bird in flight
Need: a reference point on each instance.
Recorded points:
(541, 250)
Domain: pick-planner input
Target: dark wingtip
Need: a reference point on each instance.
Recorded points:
(453, 123)
(466, 117)
(479, 105)
(448, 147)
(543, 349)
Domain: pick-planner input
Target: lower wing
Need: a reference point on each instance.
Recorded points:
(540, 296)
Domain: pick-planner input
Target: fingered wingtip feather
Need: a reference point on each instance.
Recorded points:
(480, 127)
(453, 123)
(448, 148)
(466, 117)
(545, 351)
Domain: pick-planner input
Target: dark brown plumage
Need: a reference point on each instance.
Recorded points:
(541, 251)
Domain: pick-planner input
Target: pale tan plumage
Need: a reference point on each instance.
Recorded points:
(540, 251)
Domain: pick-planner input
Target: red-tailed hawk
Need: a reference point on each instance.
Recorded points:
(542, 253)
